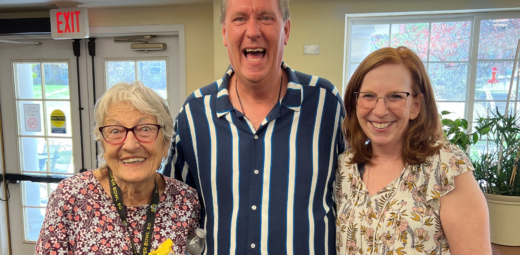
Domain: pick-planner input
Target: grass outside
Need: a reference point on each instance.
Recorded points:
(52, 91)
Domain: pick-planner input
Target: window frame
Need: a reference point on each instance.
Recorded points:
(474, 16)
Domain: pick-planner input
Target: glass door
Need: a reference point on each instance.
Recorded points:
(39, 99)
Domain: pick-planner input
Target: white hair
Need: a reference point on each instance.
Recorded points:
(137, 96)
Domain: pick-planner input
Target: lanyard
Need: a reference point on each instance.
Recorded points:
(150, 216)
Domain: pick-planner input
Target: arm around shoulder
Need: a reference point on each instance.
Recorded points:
(465, 217)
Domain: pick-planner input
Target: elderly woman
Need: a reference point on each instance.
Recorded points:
(401, 188)
(125, 206)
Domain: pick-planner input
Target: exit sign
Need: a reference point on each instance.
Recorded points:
(69, 23)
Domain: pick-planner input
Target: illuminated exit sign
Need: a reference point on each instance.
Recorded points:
(69, 23)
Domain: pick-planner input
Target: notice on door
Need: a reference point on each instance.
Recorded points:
(32, 118)
(58, 122)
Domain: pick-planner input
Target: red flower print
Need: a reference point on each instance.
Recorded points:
(51, 228)
(56, 245)
(94, 248)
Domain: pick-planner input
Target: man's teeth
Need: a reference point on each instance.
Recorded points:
(133, 160)
(255, 50)
(381, 125)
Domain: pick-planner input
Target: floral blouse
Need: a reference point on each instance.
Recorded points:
(402, 218)
(82, 219)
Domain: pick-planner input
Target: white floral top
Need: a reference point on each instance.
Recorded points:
(402, 218)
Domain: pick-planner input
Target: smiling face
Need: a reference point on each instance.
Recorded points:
(385, 127)
(255, 35)
(133, 161)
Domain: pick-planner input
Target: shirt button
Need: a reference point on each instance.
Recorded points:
(253, 207)
(256, 171)
(256, 137)
(253, 245)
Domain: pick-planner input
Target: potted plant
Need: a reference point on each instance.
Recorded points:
(496, 168)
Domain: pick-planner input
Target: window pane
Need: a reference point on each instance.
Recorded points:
(493, 80)
(449, 41)
(118, 71)
(57, 109)
(28, 80)
(33, 153)
(449, 80)
(61, 160)
(481, 108)
(34, 221)
(413, 36)
(366, 39)
(153, 75)
(35, 193)
(353, 68)
(56, 80)
(482, 147)
(456, 108)
(498, 38)
(30, 118)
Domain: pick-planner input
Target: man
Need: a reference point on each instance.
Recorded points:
(260, 145)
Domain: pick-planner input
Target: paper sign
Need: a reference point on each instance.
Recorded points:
(32, 118)
(69, 23)
(58, 122)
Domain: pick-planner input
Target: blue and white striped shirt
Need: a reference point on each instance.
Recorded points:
(267, 191)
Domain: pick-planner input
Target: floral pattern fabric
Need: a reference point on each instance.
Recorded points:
(82, 219)
(402, 218)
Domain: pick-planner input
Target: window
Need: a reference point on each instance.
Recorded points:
(151, 72)
(44, 133)
(469, 58)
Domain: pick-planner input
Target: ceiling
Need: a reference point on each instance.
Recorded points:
(9, 6)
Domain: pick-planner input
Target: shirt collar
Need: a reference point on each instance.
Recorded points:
(292, 100)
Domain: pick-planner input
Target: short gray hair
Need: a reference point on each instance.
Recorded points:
(284, 9)
(138, 96)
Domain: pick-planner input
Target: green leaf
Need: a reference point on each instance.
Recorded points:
(475, 138)
(448, 122)
(484, 131)
(464, 123)
(445, 113)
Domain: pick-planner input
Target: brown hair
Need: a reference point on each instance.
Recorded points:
(422, 133)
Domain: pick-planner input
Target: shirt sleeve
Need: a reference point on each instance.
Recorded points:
(448, 164)
(56, 235)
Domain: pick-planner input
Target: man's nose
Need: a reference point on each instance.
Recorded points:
(253, 28)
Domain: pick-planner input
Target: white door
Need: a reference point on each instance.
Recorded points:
(40, 121)
(116, 61)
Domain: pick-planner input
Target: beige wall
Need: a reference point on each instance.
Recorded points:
(323, 22)
(198, 27)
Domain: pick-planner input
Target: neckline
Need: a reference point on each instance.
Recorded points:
(390, 187)
(107, 198)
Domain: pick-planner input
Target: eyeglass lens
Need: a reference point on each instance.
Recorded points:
(117, 134)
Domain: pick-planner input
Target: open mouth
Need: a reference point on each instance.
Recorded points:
(254, 54)
(381, 125)
(130, 161)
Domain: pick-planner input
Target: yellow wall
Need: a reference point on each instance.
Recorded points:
(323, 22)
(198, 27)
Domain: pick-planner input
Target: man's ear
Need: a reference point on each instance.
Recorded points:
(416, 106)
(224, 39)
(286, 30)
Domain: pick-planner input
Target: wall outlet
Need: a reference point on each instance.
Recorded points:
(311, 49)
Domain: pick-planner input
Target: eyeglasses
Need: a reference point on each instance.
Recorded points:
(393, 100)
(144, 133)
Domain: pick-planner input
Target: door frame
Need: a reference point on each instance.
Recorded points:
(161, 30)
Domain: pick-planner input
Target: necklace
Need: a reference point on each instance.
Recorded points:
(240, 101)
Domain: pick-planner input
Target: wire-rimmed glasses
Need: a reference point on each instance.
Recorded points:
(145, 133)
(393, 100)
